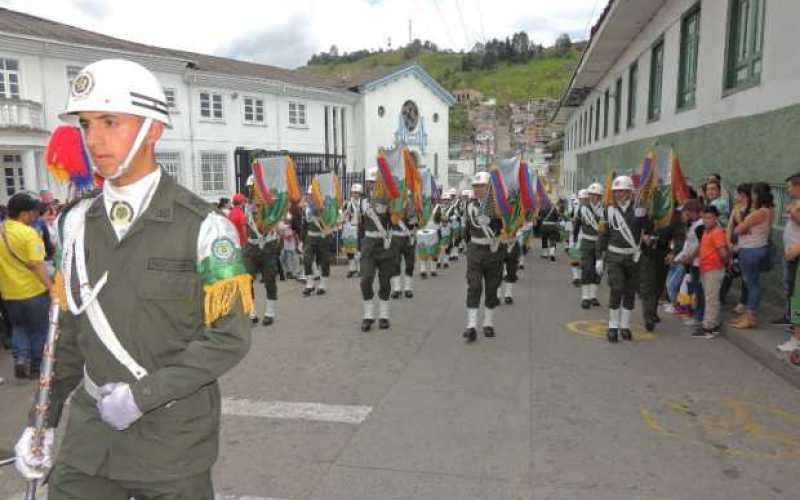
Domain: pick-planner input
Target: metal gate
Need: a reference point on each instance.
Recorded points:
(307, 165)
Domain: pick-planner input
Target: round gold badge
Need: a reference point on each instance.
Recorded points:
(121, 213)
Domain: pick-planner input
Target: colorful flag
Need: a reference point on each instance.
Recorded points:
(326, 197)
(426, 196)
(649, 182)
(274, 189)
(390, 171)
(68, 159)
(609, 197)
(499, 191)
(680, 189)
(527, 190)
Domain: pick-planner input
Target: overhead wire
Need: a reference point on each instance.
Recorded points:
(463, 25)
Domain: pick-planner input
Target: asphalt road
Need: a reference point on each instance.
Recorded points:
(546, 410)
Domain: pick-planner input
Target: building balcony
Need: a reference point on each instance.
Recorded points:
(21, 115)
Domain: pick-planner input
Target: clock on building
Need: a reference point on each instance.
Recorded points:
(410, 115)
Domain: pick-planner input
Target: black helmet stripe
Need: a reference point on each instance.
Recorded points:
(147, 106)
(148, 98)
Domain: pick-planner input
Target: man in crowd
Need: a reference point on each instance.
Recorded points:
(791, 238)
(24, 284)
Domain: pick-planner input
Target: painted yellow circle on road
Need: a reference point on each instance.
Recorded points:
(727, 426)
(598, 328)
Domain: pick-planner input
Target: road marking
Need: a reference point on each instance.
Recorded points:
(318, 412)
(598, 328)
(43, 492)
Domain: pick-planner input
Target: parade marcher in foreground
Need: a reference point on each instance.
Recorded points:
(591, 220)
(405, 246)
(352, 212)
(621, 244)
(316, 250)
(377, 254)
(484, 264)
(261, 256)
(157, 299)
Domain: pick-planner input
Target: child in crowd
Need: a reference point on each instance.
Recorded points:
(713, 258)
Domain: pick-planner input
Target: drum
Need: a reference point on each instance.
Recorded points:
(427, 244)
(446, 237)
(349, 238)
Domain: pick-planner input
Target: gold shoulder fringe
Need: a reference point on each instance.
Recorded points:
(60, 289)
(220, 297)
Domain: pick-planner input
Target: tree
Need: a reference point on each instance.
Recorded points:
(563, 44)
(521, 46)
(333, 51)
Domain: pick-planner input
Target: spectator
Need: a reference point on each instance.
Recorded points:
(753, 233)
(791, 255)
(289, 251)
(24, 284)
(713, 258)
(691, 212)
(791, 237)
(741, 209)
(676, 271)
(713, 193)
(238, 217)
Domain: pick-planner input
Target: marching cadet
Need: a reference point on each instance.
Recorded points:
(484, 264)
(316, 249)
(453, 215)
(621, 247)
(377, 254)
(590, 223)
(550, 231)
(157, 300)
(510, 252)
(653, 269)
(352, 213)
(572, 227)
(405, 247)
(445, 232)
(261, 255)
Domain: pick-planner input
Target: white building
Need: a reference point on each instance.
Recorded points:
(718, 80)
(218, 106)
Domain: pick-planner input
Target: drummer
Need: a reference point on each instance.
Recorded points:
(427, 250)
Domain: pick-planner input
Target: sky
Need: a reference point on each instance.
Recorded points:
(287, 32)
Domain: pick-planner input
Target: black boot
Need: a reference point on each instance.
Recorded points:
(626, 334)
(254, 320)
(649, 324)
(409, 294)
(613, 335)
(521, 265)
(321, 291)
(656, 318)
(423, 275)
(434, 274)
(446, 265)
(576, 282)
(350, 274)
(552, 258)
(22, 369)
(585, 304)
(396, 295)
(595, 302)
(470, 335)
(383, 324)
(366, 324)
(438, 265)
(488, 331)
(307, 292)
(509, 300)
(268, 320)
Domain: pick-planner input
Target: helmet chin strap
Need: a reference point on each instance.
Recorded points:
(126, 163)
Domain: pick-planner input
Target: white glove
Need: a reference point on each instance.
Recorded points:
(29, 465)
(640, 212)
(484, 220)
(117, 407)
(598, 267)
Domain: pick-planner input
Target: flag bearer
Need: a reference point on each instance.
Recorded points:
(591, 219)
(316, 249)
(261, 255)
(550, 231)
(404, 241)
(352, 213)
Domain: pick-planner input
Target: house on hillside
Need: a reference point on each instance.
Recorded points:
(717, 80)
(220, 109)
(468, 96)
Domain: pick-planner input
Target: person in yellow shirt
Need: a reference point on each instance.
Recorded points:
(24, 284)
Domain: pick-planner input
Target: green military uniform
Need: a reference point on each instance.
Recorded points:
(377, 256)
(484, 267)
(316, 249)
(588, 224)
(653, 272)
(622, 263)
(261, 256)
(405, 247)
(176, 257)
(550, 232)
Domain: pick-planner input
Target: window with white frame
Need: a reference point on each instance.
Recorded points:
(169, 95)
(72, 72)
(210, 106)
(297, 114)
(13, 173)
(212, 171)
(9, 78)
(170, 161)
(253, 110)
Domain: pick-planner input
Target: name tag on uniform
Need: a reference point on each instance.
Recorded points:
(170, 265)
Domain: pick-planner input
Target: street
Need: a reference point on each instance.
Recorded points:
(546, 410)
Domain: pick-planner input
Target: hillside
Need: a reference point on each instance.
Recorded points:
(545, 76)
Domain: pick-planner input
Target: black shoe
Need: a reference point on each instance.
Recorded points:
(383, 324)
(470, 334)
(585, 304)
(522, 266)
(552, 258)
(613, 335)
(438, 265)
(656, 318)
(409, 294)
(268, 320)
(595, 302)
(22, 370)
(446, 265)
(254, 320)
(395, 295)
(626, 334)
(509, 300)
(366, 324)
(576, 282)
(307, 292)
(423, 275)
(781, 321)
(321, 291)
(543, 256)
(649, 324)
(350, 274)
(488, 331)
(453, 258)
(434, 274)
(699, 333)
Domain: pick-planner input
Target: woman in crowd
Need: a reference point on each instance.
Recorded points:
(753, 243)
(741, 208)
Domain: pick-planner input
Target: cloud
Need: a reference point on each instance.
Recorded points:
(97, 9)
(287, 46)
(373, 3)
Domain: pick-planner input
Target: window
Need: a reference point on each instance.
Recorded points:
(170, 161)
(745, 43)
(590, 119)
(436, 118)
(687, 71)
(253, 111)
(656, 79)
(618, 106)
(597, 121)
(12, 171)
(297, 114)
(210, 106)
(72, 72)
(633, 84)
(212, 172)
(606, 104)
(381, 111)
(172, 105)
(9, 78)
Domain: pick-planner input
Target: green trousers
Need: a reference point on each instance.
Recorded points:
(484, 275)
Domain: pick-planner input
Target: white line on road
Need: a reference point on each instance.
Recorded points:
(320, 412)
(42, 494)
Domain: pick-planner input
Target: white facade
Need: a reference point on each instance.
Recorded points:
(605, 62)
(199, 150)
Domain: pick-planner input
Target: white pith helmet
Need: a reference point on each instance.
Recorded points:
(467, 193)
(622, 183)
(371, 174)
(583, 194)
(595, 188)
(481, 178)
(357, 188)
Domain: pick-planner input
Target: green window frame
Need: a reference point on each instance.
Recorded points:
(633, 83)
(656, 81)
(597, 120)
(687, 66)
(606, 111)
(618, 106)
(745, 43)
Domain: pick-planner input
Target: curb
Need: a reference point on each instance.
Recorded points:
(768, 358)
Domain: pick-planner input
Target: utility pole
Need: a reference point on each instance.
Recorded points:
(410, 38)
